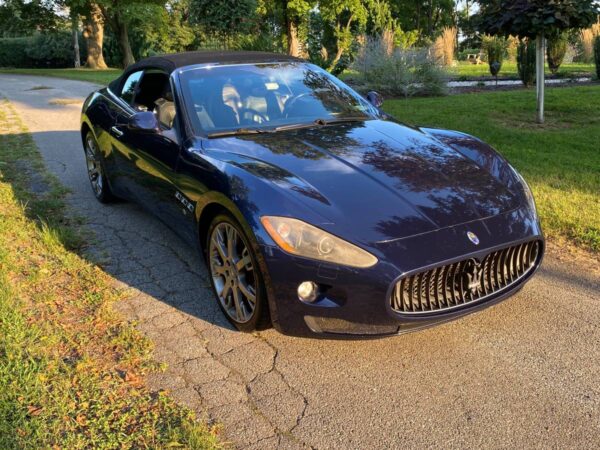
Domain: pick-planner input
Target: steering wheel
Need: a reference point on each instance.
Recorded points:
(292, 101)
(254, 114)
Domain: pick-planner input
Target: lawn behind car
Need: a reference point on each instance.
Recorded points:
(467, 71)
(71, 370)
(560, 160)
(102, 77)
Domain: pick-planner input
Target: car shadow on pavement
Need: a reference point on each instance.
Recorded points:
(142, 254)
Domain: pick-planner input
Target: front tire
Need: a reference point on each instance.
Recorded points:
(95, 169)
(235, 275)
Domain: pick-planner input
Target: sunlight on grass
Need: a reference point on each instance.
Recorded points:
(560, 160)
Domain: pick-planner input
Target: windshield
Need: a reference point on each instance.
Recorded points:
(265, 97)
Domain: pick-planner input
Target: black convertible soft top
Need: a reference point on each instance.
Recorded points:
(168, 63)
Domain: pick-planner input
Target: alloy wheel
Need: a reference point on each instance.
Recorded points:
(232, 271)
(94, 167)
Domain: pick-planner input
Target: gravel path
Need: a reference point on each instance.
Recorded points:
(525, 373)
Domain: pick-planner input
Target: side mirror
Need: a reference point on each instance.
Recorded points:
(144, 122)
(375, 99)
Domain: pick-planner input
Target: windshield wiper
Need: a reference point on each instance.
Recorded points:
(239, 131)
(320, 122)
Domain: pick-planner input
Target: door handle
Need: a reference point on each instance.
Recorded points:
(115, 130)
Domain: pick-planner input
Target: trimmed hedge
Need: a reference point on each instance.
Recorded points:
(49, 50)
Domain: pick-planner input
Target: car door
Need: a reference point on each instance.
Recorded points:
(121, 159)
(151, 158)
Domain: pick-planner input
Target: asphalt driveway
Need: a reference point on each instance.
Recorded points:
(525, 373)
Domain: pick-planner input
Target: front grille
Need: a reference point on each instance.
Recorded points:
(466, 281)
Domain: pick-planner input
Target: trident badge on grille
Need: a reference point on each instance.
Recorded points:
(473, 275)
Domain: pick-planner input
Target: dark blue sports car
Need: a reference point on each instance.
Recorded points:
(315, 211)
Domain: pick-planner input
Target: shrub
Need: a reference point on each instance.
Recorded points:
(403, 73)
(597, 55)
(556, 51)
(526, 61)
(42, 50)
(13, 52)
(495, 48)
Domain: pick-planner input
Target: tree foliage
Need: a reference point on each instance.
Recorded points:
(24, 18)
(530, 18)
(225, 16)
(558, 43)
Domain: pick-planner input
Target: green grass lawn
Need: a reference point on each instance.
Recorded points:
(72, 371)
(466, 70)
(560, 160)
(95, 76)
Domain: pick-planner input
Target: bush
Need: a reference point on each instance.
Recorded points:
(399, 73)
(42, 50)
(495, 48)
(556, 51)
(526, 61)
(13, 52)
(597, 55)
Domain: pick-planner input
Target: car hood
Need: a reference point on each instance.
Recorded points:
(372, 181)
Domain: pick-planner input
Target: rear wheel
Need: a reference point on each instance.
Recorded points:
(95, 169)
(235, 275)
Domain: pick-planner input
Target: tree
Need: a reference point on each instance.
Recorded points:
(343, 15)
(295, 11)
(24, 18)
(93, 29)
(535, 19)
(224, 18)
(93, 32)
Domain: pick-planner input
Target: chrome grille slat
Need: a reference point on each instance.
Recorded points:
(463, 282)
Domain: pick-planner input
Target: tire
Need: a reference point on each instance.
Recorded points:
(235, 276)
(96, 172)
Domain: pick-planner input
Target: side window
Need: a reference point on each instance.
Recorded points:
(129, 88)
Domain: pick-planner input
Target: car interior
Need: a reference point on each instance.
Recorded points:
(153, 93)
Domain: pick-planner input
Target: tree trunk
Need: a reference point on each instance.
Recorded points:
(124, 44)
(293, 43)
(93, 32)
(74, 28)
(541, 76)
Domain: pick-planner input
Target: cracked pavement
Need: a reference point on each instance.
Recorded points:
(524, 373)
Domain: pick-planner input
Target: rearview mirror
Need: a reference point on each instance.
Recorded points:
(375, 99)
(144, 122)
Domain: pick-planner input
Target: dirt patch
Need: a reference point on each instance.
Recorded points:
(64, 101)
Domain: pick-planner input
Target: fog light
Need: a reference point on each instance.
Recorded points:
(308, 291)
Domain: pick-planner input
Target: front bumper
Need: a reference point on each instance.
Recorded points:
(356, 302)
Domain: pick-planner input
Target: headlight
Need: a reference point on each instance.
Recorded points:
(526, 191)
(299, 238)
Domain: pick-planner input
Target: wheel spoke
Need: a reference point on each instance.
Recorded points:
(245, 263)
(225, 290)
(247, 292)
(219, 246)
(231, 242)
(217, 269)
(241, 316)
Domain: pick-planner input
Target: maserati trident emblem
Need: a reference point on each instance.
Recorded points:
(473, 237)
(473, 277)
